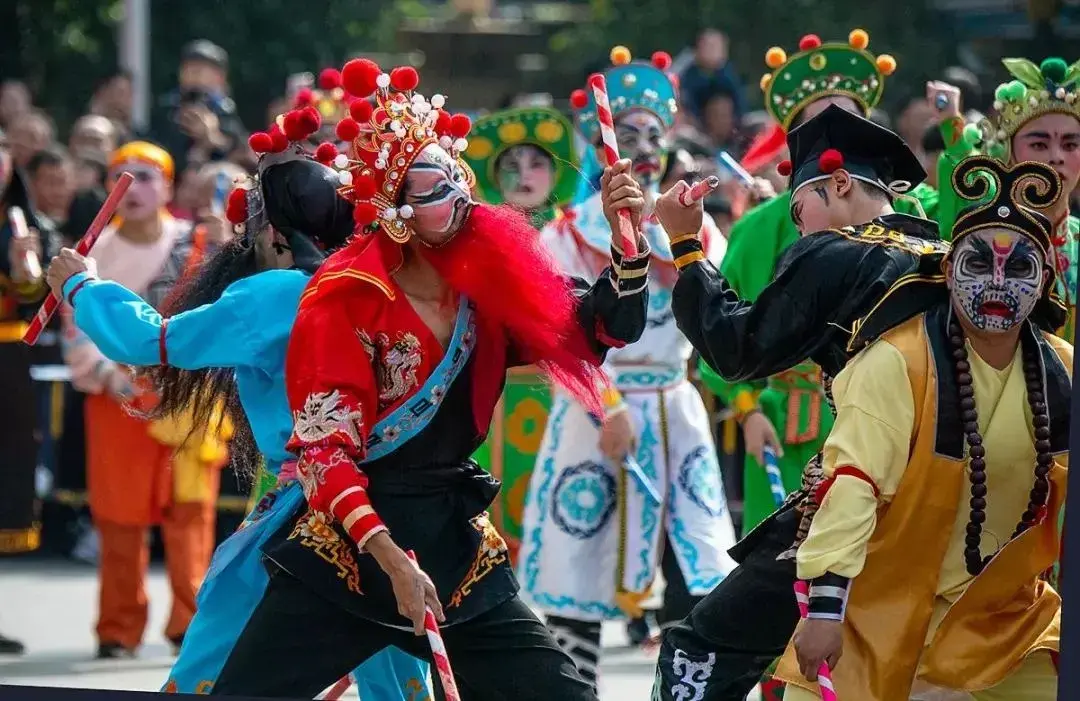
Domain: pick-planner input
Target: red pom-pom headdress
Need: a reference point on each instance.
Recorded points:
(389, 124)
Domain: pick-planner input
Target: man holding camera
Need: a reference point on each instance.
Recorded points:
(197, 122)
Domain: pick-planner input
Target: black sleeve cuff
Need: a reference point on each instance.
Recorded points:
(828, 597)
(630, 275)
(686, 252)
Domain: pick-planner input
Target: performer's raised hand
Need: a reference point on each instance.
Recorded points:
(944, 98)
(69, 262)
(619, 190)
(676, 218)
(759, 432)
(818, 640)
(617, 436)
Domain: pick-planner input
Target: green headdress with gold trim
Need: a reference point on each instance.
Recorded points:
(543, 127)
(1052, 87)
(820, 70)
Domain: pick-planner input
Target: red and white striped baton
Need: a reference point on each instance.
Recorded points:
(699, 191)
(611, 153)
(438, 651)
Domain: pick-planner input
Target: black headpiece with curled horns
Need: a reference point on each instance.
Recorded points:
(1008, 198)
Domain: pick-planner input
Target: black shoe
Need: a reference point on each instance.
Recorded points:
(11, 647)
(114, 651)
(638, 630)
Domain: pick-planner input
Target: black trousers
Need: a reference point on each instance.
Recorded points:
(721, 650)
(296, 644)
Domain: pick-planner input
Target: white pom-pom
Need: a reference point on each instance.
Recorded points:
(390, 213)
(383, 81)
(446, 142)
(437, 101)
(1034, 101)
(417, 97)
(395, 125)
(345, 177)
(341, 161)
(998, 105)
(461, 144)
(1060, 93)
(1000, 135)
(406, 211)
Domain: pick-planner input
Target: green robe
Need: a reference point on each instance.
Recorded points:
(793, 404)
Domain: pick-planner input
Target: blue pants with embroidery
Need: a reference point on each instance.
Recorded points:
(233, 587)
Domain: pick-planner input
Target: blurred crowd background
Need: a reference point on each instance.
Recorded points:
(78, 78)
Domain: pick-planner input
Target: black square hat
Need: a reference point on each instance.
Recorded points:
(838, 139)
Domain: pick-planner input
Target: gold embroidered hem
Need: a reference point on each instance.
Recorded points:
(23, 540)
(491, 553)
(316, 531)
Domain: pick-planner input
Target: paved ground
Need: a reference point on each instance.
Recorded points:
(51, 605)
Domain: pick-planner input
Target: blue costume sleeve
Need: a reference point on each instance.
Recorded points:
(250, 315)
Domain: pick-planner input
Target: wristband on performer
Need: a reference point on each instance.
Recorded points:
(744, 405)
(828, 597)
(686, 249)
(613, 402)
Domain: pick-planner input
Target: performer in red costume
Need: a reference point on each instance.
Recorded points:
(396, 361)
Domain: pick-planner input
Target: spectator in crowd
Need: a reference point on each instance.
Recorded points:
(719, 208)
(92, 133)
(51, 177)
(29, 133)
(933, 143)
(719, 120)
(114, 99)
(15, 101)
(90, 171)
(212, 184)
(912, 122)
(197, 121)
(710, 73)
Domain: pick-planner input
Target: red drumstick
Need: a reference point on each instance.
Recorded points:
(699, 191)
(85, 245)
(611, 153)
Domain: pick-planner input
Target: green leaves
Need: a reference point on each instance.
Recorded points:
(1025, 71)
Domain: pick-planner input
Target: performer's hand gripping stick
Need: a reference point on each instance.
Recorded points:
(20, 230)
(86, 243)
(611, 153)
(772, 470)
(699, 191)
(802, 595)
(438, 651)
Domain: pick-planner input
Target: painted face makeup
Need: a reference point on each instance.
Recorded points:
(1053, 139)
(525, 175)
(641, 138)
(996, 280)
(437, 190)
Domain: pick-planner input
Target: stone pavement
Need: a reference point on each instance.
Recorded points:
(51, 606)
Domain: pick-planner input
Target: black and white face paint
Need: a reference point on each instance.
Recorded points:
(997, 278)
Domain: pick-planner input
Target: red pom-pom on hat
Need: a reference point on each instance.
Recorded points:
(460, 125)
(365, 213)
(329, 78)
(347, 129)
(830, 160)
(361, 110)
(784, 168)
(810, 41)
(293, 127)
(404, 78)
(662, 60)
(278, 141)
(442, 123)
(304, 97)
(359, 75)
(236, 209)
(364, 187)
(311, 120)
(579, 99)
(326, 152)
(260, 142)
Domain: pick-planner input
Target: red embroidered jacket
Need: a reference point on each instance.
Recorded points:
(358, 350)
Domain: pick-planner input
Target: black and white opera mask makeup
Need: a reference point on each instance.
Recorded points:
(997, 278)
(437, 190)
(525, 175)
(643, 139)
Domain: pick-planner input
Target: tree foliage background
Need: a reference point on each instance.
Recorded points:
(62, 47)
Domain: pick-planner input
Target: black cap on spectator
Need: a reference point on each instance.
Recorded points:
(206, 51)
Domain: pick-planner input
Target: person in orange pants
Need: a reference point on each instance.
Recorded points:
(142, 473)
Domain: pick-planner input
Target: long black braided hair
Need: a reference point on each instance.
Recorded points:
(299, 199)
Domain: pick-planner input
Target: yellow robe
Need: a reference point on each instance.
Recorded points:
(913, 608)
